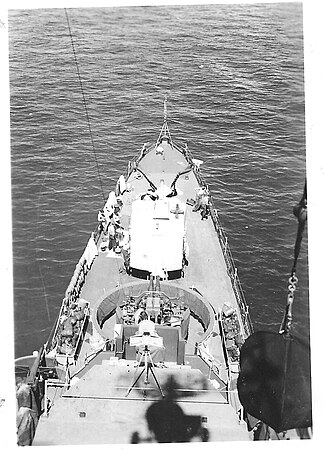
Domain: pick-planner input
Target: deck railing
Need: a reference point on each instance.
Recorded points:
(48, 345)
(72, 293)
(230, 264)
(232, 271)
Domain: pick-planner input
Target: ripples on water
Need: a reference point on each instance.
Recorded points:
(234, 77)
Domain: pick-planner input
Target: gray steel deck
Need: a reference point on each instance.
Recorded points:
(107, 421)
(206, 271)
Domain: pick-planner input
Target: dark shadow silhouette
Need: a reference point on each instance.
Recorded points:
(168, 423)
(274, 383)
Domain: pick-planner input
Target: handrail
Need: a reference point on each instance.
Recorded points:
(137, 158)
(72, 293)
(54, 329)
(232, 270)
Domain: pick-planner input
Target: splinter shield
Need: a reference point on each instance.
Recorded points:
(146, 340)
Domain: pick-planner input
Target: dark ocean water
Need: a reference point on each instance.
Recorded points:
(234, 79)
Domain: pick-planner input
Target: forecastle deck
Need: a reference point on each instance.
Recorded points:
(96, 398)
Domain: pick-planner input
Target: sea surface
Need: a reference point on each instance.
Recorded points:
(234, 79)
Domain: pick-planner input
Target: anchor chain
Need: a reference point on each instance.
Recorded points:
(287, 320)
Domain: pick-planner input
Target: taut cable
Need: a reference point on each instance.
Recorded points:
(85, 104)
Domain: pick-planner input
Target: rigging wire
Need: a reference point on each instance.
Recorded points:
(300, 211)
(84, 103)
(36, 250)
